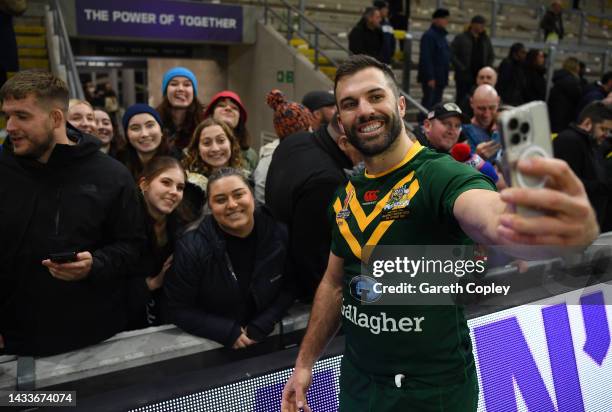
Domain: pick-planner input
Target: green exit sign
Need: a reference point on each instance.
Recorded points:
(284, 76)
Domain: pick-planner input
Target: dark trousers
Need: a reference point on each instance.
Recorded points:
(463, 89)
(431, 96)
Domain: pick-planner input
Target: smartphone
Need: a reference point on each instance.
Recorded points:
(525, 133)
(63, 257)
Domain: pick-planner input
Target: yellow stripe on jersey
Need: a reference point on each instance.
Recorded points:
(382, 227)
(416, 148)
(609, 155)
(364, 221)
(346, 232)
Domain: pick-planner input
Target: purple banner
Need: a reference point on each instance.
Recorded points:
(160, 19)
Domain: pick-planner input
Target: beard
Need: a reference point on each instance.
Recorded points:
(393, 128)
(37, 150)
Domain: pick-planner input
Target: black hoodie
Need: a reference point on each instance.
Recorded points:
(563, 100)
(80, 200)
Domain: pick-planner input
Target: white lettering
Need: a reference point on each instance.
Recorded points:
(376, 324)
(166, 19)
(134, 17)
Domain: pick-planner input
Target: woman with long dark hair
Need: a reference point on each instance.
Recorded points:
(230, 280)
(145, 139)
(535, 72)
(180, 109)
(162, 183)
(108, 132)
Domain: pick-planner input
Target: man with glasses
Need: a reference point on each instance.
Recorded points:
(441, 128)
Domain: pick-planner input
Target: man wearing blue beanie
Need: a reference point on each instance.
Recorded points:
(179, 72)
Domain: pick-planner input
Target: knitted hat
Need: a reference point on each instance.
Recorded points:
(289, 117)
(139, 108)
(176, 72)
(226, 94)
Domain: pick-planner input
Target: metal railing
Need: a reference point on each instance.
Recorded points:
(66, 58)
(288, 21)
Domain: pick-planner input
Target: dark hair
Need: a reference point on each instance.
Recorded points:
(159, 165)
(42, 84)
(129, 156)
(240, 132)
(606, 77)
(532, 58)
(515, 48)
(360, 62)
(193, 161)
(193, 116)
(597, 111)
(118, 143)
(226, 172)
(369, 11)
(380, 4)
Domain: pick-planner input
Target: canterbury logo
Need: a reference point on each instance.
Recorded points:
(371, 196)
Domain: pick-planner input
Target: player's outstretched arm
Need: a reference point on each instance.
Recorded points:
(566, 219)
(322, 326)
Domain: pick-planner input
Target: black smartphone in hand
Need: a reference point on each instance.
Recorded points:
(64, 257)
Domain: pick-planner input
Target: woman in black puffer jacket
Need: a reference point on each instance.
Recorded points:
(230, 281)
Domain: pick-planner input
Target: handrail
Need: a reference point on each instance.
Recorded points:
(290, 8)
(74, 83)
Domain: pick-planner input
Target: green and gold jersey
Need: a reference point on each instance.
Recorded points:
(410, 204)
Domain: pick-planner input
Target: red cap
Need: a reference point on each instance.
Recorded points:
(461, 152)
(226, 94)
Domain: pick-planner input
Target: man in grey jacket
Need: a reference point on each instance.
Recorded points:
(471, 51)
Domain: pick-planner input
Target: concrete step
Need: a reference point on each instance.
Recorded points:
(33, 63)
(31, 41)
(29, 29)
(32, 52)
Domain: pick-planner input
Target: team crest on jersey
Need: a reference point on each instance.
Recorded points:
(345, 212)
(397, 205)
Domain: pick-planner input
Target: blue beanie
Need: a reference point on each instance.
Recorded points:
(139, 108)
(179, 71)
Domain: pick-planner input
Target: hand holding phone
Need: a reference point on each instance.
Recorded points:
(63, 257)
(525, 134)
(72, 270)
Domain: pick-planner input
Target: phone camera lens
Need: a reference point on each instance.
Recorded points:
(513, 124)
(515, 139)
(525, 128)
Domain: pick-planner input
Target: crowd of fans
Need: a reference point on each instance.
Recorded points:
(178, 219)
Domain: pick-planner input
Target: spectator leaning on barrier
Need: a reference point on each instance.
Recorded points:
(230, 280)
(401, 357)
(180, 110)
(434, 60)
(579, 146)
(471, 51)
(227, 107)
(162, 184)
(511, 78)
(288, 118)
(305, 171)
(322, 105)
(552, 23)
(367, 36)
(388, 43)
(564, 95)
(60, 194)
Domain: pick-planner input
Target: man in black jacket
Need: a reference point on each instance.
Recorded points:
(306, 170)
(367, 36)
(472, 50)
(579, 147)
(60, 195)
